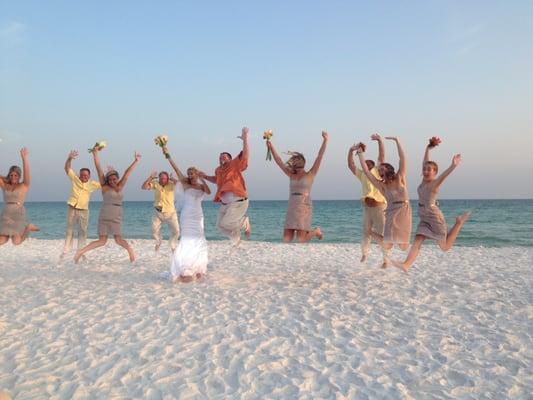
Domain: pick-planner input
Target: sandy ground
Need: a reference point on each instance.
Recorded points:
(268, 321)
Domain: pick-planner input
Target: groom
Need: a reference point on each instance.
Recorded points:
(231, 192)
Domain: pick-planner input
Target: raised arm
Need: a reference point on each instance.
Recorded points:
(129, 170)
(71, 156)
(25, 167)
(146, 183)
(96, 157)
(212, 179)
(278, 159)
(204, 186)
(401, 155)
(456, 160)
(181, 177)
(381, 148)
(351, 161)
(316, 165)
(245, 146)
(367, 172)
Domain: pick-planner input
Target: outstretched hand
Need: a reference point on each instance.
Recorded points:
(73, 154)
(244, 135)
(395, 138)
(153, 175)
(325, 135)
(136, 156)
(24, 152)
(456, 160)
(376, 136)
(354, 148)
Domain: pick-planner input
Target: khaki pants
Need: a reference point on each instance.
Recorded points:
(169, 218)
(373, 221)
(232, 218)
(78, 217)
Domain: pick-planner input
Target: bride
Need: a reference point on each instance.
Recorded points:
(189, 260)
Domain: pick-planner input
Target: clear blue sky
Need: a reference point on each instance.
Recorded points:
(75, 72)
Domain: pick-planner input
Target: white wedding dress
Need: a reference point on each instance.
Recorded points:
(190, 257)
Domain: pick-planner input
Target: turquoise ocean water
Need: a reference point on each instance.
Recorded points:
(494, 223)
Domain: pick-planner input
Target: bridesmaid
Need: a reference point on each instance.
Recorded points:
(300, 208)
(13, 223)
(432, 224)
(110, 218)
(398, 216)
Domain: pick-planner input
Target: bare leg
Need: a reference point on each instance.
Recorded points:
(386, 248)
(413, 253)
(93, 245)
(17, 240)
(305, 236)
(247, 228)
(3, 240)
(447, 244)
(288, 235)
(123, 243)
(367, 233)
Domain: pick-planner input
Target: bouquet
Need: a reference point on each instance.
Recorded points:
(267, 135)
(361, 146)
(434, 141)
(162, 141)
(97, 146)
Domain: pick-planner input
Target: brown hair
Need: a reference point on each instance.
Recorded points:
(390, 173)
(109, 174)
(432, 164)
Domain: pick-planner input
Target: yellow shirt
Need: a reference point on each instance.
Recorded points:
(369, 190)
(80, 193)
(164, 196)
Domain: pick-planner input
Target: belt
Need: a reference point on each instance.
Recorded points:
(160, 209)
(400, 202)
(236, 201)
(429, 205)
(116, 204)
(298, 194)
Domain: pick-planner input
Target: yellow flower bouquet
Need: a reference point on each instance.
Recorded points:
(267, 135)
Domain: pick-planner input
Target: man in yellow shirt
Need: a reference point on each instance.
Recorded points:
(78, 202)
(373, 202)
(164, 209)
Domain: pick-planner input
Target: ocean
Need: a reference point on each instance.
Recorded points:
(494, 223)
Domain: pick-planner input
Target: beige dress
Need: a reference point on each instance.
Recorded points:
(300, 207)
(13, 218)
(398, 218)
(432, 223)
(110, 219)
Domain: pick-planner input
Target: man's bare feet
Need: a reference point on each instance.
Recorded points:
(461, 219)
(156, 247)
(247, 228)
(363, 258)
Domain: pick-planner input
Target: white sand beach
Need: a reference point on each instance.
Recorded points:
(269, 321)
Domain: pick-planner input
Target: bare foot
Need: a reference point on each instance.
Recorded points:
(156, 248)
(77, 257)
(461, 219)
(385, 264)
(363, 258)
(247, 229)
(401, 265)
(199, 275)
(186, 279)
(318, 233)
(32, 228)
(132, 256)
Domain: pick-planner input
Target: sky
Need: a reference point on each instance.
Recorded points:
(72, 73)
